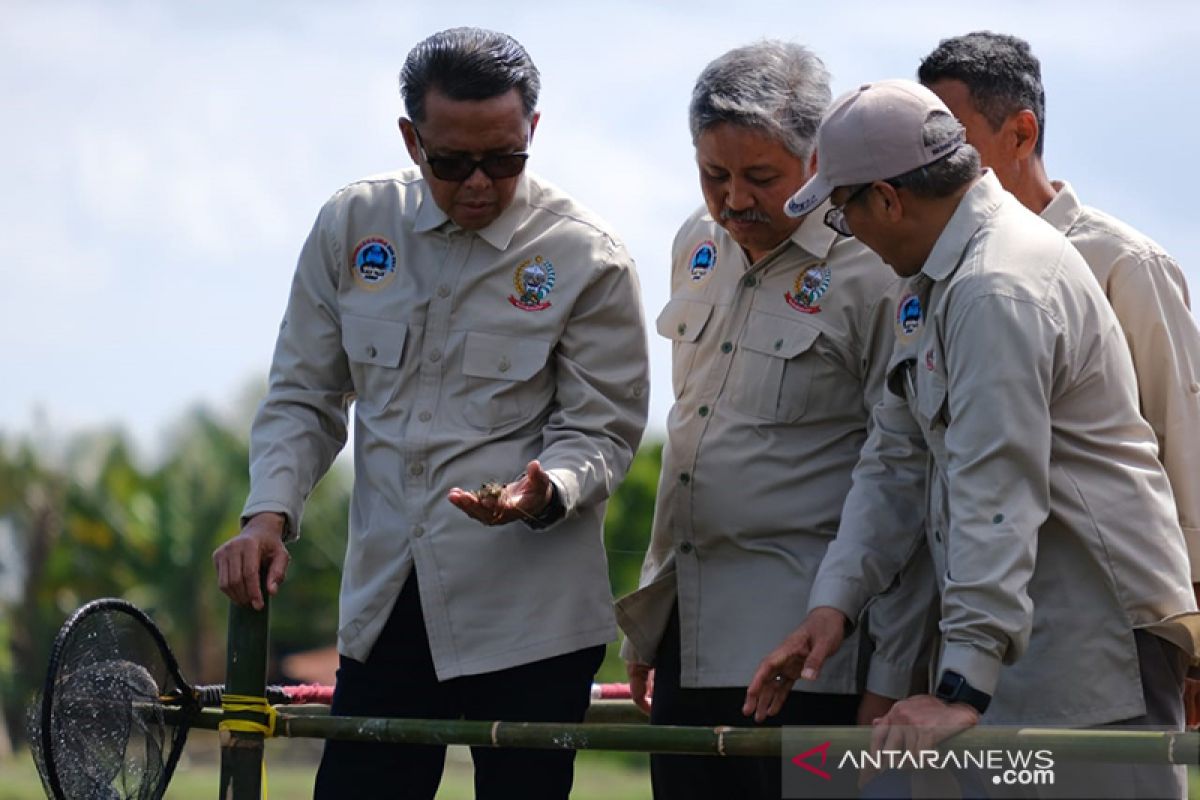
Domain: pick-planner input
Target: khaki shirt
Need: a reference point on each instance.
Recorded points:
(1148, 291)
(466, 354)
(776, 366)
(1052, 527)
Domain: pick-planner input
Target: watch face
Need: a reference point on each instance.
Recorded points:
(949, 686)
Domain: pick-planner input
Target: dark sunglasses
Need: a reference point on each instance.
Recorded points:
(459, 168)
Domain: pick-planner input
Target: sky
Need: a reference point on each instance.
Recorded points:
(162, 162)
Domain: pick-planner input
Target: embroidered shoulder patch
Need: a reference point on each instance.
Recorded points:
(703, 260)
(373, 263)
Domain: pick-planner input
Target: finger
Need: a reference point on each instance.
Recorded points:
(780, 695)
(637, 688)
(251, 565)
(816, 659)
(765, 672)
(278, 569)
(222, 572)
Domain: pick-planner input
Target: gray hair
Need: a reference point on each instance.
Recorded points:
(945, 176)
(780, 88)
(468, 64)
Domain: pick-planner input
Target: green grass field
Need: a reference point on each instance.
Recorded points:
(598, 776)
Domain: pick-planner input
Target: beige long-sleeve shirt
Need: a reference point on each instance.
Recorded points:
(776, 366)
(465, 354)
(1149, 293)
(1052, 527)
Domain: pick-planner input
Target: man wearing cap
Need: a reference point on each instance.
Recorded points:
(489, 330)
(993, 84)
(781, 330)
(1054, 536)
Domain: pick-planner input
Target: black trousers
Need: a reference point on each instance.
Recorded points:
(398, 680)
(718, 778)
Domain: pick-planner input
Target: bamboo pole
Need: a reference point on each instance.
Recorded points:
(245, 674)
(1121, 746)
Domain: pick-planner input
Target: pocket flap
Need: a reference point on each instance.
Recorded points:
(778, 336)
(373, 341)
(506, 358)
(683, 320)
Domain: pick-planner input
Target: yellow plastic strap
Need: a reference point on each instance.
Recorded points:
(242, 703)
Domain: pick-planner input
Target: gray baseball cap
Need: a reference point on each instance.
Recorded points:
(871, 134)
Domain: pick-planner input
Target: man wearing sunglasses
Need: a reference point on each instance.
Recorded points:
(489, 331)
(781, 330)
(1065, 594)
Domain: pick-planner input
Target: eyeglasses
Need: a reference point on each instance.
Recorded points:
(459, 168)
(835, 217)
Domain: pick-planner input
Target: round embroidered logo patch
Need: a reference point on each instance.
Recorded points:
(373, 263)
(533, 281)
(703, 259)
(810, 287)
(908, 315)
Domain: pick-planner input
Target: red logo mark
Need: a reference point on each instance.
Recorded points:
(800, 760)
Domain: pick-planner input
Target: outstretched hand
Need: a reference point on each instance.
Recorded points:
(524, 498)
(800, 656)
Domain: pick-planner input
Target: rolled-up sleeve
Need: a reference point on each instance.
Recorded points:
(301, 425)
(602, 387)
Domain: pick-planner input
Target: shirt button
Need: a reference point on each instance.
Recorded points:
(684, 478)
(703, 411)
(685, 548)
(750, 281)
(638, 390)
(682, 328)
(726, 347)
(418, 531)
(443, 291)
(505, 365)
(778, 344)
(416, 469)
(435, 356)
(1195, 388)
(371, 351)
(937, 536)
(424, 416)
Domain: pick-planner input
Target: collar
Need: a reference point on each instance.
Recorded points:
(1064, 209)
(979, 203)
(814, 236)
(498, 234)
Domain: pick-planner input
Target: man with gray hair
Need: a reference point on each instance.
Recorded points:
(489, 331)
(781, 331)
(1054, 537)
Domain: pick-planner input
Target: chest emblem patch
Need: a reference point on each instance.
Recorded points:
(703, 260)
(373, 263)
(908, 316)
(810, 287)
(533, 280)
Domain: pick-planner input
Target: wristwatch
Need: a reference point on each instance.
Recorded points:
(953, 688)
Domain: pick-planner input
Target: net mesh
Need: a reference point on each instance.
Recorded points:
(97, 729)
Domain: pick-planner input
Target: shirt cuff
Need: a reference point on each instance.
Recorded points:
(841, 593)
(291, 521)
(629, 653)
(888, 679)
(552, 513)
(981, 670)
(1191, 538)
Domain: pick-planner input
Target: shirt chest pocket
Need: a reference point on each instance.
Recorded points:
(773, 366)
(505, 380)
(682, 321)
(375, 348)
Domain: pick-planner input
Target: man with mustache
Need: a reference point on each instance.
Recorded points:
(781, 331)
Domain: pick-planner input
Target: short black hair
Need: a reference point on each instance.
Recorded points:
(1000, 71)
(468, 64)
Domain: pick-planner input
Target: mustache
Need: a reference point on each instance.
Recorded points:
(751, 215)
